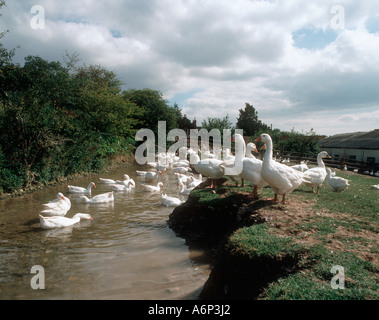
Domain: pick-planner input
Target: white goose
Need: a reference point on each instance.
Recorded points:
(195, 182)
(58, 206)
(141, 173)
(232, 164)
(251, 168)
(152, 188)
(183, 190)
(183, 177)
(152, 175)
(228, 155)
(75, 189)
(316, 176)
(111, 181)
(61, 222)
(250, 147)
(128, 182)
(336, 184)
(301, 167)
(169, 201)
(107, 181)
(280, 177)
(182, 169)
(123, 187)
(100, 198)
(208, 167)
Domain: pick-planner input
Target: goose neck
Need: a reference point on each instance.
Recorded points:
(268, 153)
(241, 147)
(320, 163)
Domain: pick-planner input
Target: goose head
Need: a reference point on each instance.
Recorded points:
(324, 154)
(251, 146)
(83, 216)
(264, 137)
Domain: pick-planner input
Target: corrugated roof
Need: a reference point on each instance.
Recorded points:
(354, 140)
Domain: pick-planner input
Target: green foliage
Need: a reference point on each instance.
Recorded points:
(217, 123)
(153, 108)
(58, 120)
(303, 144)
(248, 121)
(285, 142)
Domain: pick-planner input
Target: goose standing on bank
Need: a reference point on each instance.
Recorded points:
(315, 176)
(301, 167)
(252, 169)
(208, 167)
(280, 177)
(232, 165)
(336, 184)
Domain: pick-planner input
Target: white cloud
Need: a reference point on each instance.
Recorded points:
(222, 54)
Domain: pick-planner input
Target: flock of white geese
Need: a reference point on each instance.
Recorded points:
(241, 166)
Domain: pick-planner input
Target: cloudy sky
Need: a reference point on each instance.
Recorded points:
(302, 64)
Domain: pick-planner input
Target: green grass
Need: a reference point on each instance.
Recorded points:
(257, 241)
(358, 200)
(315, 283)
(337, 229)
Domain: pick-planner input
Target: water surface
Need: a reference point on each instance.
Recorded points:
(126, 252)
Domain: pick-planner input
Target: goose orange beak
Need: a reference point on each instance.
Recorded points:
(263, 147)
(258, 139)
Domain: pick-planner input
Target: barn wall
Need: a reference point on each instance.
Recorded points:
(361, 154)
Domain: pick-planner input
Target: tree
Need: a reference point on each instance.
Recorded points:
(153, 108)
(217, 123)
(2, 33)
(248, 121)
(102, 106)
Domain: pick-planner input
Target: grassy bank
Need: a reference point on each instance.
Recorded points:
(299, 243)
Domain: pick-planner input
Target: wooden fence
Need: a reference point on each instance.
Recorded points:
(339, 163)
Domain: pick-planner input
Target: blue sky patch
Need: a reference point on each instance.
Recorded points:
(181, 97)
(116, 34)
(372, 24)
(313, 39)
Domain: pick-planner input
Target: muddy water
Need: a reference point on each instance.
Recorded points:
(126, 252)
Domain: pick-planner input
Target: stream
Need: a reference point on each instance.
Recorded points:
(126, 252)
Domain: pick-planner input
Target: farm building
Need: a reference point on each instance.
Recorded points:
(356, 148)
